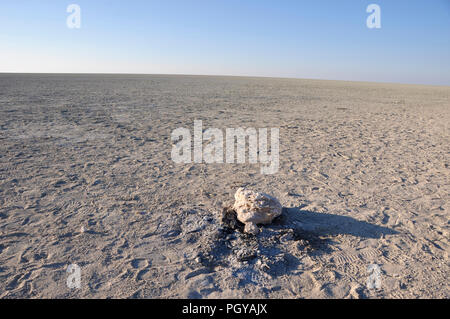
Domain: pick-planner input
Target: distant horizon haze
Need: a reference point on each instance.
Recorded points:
(215, 75)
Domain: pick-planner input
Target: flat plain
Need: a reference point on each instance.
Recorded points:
(86, 178)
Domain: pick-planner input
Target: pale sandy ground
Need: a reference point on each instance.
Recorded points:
(363, 166)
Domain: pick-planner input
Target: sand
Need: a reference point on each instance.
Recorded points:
(86, 178)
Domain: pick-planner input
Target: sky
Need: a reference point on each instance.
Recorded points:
(320, 39)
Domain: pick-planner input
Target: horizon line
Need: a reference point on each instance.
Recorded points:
(224, 75)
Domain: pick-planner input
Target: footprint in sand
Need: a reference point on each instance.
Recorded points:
(139, 263)
(142, 265)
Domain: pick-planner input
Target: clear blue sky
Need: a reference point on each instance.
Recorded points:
(325, 39)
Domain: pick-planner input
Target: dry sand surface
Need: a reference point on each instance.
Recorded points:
(364, 171)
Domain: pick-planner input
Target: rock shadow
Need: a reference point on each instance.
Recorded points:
(325, 224)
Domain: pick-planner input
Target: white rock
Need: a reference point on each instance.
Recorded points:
(253, 208)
